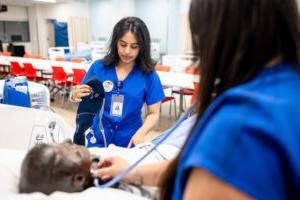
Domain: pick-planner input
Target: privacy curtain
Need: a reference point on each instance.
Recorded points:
(78, 31)
(61, 34)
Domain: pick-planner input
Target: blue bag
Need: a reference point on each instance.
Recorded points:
(15, 92)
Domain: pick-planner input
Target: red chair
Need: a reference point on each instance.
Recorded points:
(196, 92)
(39, 56)
(4, 69)
(16, 69)
(78, 75)
(77, 60)
(31, 73)
(164, 68)
(6, 53)
(59, 59)
(187, 92)
(27, 55)
(60, 81)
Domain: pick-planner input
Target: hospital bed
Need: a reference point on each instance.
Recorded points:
(20, 129)
(10, 164)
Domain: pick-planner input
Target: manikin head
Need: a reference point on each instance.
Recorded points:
(55, 167)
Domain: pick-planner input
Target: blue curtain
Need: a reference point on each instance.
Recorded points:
(61, 34)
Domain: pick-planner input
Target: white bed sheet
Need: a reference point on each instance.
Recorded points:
(10, 164)
(131, 155)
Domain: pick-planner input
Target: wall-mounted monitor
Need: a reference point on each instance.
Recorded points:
(14, 31)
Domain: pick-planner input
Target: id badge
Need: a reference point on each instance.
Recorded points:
(116, 108)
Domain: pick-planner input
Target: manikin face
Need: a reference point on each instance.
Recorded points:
(128, 48)
(71, 155)
(75, 154)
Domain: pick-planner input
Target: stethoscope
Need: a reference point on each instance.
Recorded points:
(123, 173)
(93, 139)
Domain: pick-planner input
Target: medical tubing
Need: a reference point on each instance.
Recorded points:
(123, 173)
(101, 128)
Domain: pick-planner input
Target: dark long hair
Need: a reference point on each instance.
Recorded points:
(139, 28)
(234, 40)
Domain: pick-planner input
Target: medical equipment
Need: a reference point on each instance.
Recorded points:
(16, 92)
(101, 128)
(123, 173)
(39, 94)
(99, 49)
(55, 52)
(51, 130)
(22, 128)
(87, 110)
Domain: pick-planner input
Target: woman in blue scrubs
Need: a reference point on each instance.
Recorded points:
(246, 141)
(129, 80)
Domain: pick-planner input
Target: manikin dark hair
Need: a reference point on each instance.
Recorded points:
(139, 28)
(234, 40)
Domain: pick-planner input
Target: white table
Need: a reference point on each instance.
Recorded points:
(178, 80)
(173, 79)
(39, 94)
(45, 65)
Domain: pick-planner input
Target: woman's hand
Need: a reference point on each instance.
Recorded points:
(137, 138)
(80, 91)
(110, 167)
(149, 123)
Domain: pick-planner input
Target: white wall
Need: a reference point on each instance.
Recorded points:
(155, 14)
(161, 17)
(63, 11)
(14, 13)
(103, 14)
(184, 34)
(60, 12)
(33, 30)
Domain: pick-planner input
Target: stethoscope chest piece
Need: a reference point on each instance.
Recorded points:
(93, 139)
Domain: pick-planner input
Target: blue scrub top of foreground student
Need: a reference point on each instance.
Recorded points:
(250, 138)
(137, 89)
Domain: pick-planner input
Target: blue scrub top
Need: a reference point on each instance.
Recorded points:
(137, 88)
(250, 138)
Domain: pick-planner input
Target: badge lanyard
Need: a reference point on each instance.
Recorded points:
(117, 102)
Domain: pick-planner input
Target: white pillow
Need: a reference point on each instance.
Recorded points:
(10, 164)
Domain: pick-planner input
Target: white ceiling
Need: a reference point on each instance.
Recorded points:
(31, 2)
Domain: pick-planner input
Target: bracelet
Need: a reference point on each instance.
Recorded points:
(138, 178)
